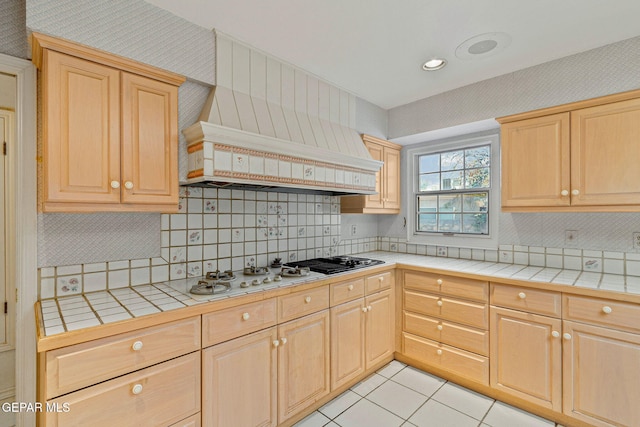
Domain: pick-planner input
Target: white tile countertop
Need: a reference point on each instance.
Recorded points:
(76, 312)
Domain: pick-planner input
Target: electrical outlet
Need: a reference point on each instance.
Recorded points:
(571, 237)
(354, 230)
(636, 240)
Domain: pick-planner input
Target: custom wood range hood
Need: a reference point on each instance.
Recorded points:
(268, 125)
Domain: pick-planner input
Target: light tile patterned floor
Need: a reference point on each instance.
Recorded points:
(399, 395)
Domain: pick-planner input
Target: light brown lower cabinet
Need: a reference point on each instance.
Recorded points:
(239, 381)
(526, 356)
(303, 363)
(362, 333)
(160, 395)
(601, 375)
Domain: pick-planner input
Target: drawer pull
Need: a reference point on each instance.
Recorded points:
(439, 303)
(439, 352)
(566, 336)
(136, 346)
(128, 185)
(307, 300)
(350, 287)
(439, 327)
(245, 316)
(380, 279)
(276, 343)
(369, 308)
(522, 295)
(136, 389)
(575, 192)
(115, 184)
(606, 309)
(564, 193)
(283, 341)
(364, 309)
(555, 334)
(439, 281)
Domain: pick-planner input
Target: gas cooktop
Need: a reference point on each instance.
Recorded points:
(334, 265)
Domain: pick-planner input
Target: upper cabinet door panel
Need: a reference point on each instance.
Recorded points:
(375, 200)
(82, 130)
(149, 141)
(392, 178)
(605, 148)
(535, 162)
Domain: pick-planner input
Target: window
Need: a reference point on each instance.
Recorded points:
(453, 191)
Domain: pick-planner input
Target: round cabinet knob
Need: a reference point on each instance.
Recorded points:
(136, 389)
(276, 343)
(350, 287)
(128, 185)
(439, 303)
(369, 308)
(307, 300)
(439, 327)
(566, 336)
(283, 341)
(555, 334)
(522, 295)
(439, 281)
(115, 184)
(439, 352)
(380, 279)
(136, 346)
(575, 192)
(564, 193)
(364, 309)
(245, 316)
(606, 309)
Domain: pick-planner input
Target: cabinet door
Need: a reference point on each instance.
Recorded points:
(303, 363)
(601, 368)
(239, 382)
(376, 200)
(379, 327)
(525, 356)
(604, 154)
(347, 342)
(535, 162)
(149, 141)
(391, 178)
(81, 125)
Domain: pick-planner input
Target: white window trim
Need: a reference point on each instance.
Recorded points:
(467, 240)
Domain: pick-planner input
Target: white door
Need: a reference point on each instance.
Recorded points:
(7, 352)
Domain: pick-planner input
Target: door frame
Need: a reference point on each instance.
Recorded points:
(22, 228)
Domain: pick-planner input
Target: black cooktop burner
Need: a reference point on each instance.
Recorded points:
(333, 265)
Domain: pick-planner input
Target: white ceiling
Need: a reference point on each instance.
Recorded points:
(375, 48)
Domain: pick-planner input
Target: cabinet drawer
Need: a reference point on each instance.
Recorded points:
(166, 393)
(454, 360)
(460, 311)
(302, 303)
(379, 282)
(448, 285)
(466, 338)
(530, 300)
(617, 314)
(71, 368)
(346, 291)
(233, 322)
(192, 421)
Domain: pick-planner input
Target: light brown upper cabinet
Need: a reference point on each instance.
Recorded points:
(575, 157)
(387, 197)
(109, 131)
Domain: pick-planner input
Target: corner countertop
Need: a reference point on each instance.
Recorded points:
(73, 314)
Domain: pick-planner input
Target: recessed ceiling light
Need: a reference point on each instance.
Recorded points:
(483, 45)
(434, 64)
